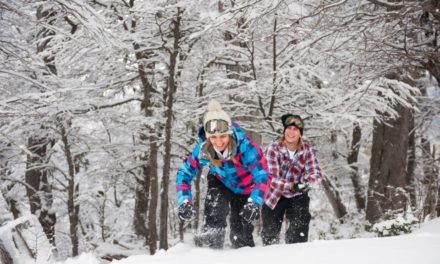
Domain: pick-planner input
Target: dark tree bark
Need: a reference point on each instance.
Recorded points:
(171, 89)
(45, 35)
(388, 178)
(274, 68)
(149, 169)
(430, 20)
(411, 166)
(197, 182)
(34, 171)
(334, 198)
(38, 186)
(141, 203)
(146, 199)
(352, 159)
(37, 173)
(330, 189)
(152, 169)
(152, 212)
(333, 141)
(143, 193)
(149, 198)
(12, 202)
(430, 181)
(437, 208)
(47, 216)
(72, 187)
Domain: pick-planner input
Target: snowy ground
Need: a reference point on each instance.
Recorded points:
(421, 247)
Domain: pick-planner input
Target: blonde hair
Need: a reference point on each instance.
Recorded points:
(209, 149)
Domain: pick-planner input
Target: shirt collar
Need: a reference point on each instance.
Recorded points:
(223, 155)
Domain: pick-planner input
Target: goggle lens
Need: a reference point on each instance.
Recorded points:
(293, 121)
(217, 126)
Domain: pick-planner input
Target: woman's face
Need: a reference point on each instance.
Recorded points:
(220, 142)
(292, 135)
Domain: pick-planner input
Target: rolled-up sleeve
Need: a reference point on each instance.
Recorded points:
(313, 172)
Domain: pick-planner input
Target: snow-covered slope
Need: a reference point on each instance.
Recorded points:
(421, 247)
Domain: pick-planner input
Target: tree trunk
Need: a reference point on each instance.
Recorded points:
(150, 172)
(45, 35)
(274, 69)
(72, 188)
(330, 189)
(38, 186)
(47, 215)
(12, 203)
(163, 236)
(141, 203)
(411, 167)
(352, 160)
(154, 196)
(430, 181)
(169, 116)
(143, 188)
(437, 208)
(388, 179)
(334, 198)
(34, 171)
(431, 202)
(36, 175)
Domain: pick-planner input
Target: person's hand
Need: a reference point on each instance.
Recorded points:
(250, 211)
(186, 211)
(299, 187)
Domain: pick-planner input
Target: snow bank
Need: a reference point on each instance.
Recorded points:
(25, 241)
(420, 247)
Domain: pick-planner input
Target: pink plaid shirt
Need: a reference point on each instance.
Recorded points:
(303, 168)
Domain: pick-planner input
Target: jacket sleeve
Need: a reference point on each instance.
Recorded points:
(186, 174)
(278, 182)
(313, 174)
(257, 164)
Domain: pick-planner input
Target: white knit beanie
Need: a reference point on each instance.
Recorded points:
(215, 112)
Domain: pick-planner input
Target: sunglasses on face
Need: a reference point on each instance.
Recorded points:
(217, 126)
(293, 121)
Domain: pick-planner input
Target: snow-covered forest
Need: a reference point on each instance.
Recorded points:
(101, 100)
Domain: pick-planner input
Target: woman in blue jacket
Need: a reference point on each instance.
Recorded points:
(237, 180)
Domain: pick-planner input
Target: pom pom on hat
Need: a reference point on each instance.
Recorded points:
(215, 112)
(213, 105)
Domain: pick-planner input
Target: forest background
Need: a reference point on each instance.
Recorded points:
(101, 99)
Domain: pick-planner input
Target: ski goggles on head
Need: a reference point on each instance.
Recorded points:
(217, 126)
(293, 121)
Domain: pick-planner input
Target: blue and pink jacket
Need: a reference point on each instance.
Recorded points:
(245, 172)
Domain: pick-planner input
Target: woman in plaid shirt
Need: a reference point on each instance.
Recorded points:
(294, 168)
